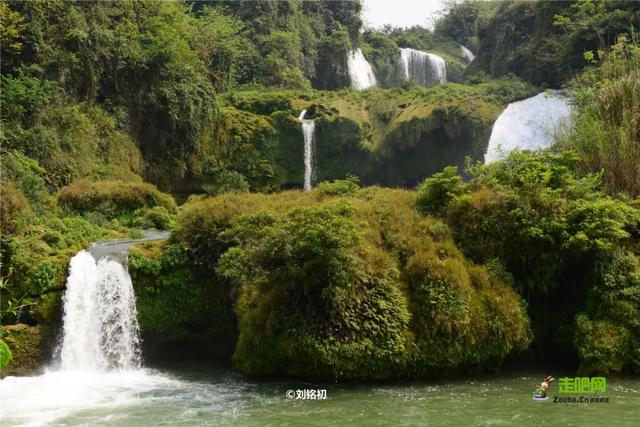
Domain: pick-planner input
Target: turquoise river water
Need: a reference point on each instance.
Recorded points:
(208, 396)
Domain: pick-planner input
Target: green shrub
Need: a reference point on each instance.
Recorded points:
(545, 222)
(5, 355)
(607, 334)
(328, 286)
(227, 182)
(340, 187)
(607, 124)
(156, 217)
(112, 198)
(435, 193)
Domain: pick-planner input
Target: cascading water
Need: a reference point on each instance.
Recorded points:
(426, 69)
(467, 55)
(360, 72)
(100, 356)
(308, 132)
(100, 324)
(530, 124)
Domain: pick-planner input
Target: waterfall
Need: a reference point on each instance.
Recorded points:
(426, 69)
(99, 356)
(530, 124)
(100, 327)
(308, 132)
(467, 55)
(360, 72)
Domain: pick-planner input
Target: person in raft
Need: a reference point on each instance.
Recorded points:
(541, 391)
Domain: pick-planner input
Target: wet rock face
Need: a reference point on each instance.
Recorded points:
(25, 317)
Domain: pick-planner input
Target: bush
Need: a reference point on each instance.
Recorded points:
(545, 222)
(340, 187)
(607, 125)
(112, 198)
(435, 193)
(227, 182)
(5, 355)
(607, 334)
(344, 286)
(156, 217)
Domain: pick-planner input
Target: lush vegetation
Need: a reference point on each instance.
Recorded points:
(565, 244)
(112, 111)
(337, 282)
(543, 42)
(394, 137)
(607, 126)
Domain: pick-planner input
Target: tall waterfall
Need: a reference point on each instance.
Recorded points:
(308, 132)
(360, 72)
(530, 124)
(100, 323)
(467, 55)
(426, 69)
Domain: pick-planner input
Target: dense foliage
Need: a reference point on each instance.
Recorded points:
(355, 285)
(108, 105)
(543, 41)
(606, 128)
(561, 239)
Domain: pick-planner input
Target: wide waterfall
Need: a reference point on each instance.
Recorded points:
(467, 55)
(100, 324)
(360, 72)
(424, 68)
(530, 124)
(308, 133)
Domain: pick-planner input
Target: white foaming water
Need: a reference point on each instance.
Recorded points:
(100, 356)
(467, 55)
(57, 397)
(424, 68)
(100, 323)
(308, 132)
(530, 124)
(360, 72)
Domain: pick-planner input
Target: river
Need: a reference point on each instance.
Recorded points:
(213, 396)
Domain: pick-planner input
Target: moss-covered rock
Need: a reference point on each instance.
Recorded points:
(393, 137)
(607, 333)
(180, 312)
(332, 284)
(118, 196)
(559, 237)
(27, 345)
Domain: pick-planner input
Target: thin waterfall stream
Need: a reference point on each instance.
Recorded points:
(308, 133)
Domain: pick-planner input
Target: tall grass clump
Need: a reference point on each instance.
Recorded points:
(606, 134)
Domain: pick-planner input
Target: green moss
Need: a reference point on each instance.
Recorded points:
(113, 198)
(331, 286)
(607, 333)
(27, 345)
(559, 236)
(393, 137)
(179, 311)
